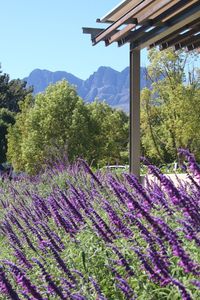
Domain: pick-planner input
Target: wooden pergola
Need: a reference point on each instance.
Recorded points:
(147, 23)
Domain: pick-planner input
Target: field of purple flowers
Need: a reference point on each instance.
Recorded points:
(74, 234)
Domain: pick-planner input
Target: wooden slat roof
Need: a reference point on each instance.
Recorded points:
(149, 23)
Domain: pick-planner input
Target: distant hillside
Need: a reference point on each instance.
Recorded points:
(105, 84)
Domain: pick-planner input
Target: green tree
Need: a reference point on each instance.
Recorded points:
(18, 133)
(58, 123)
(7, 118)
(109, 130)
(168, 119)
(12, 92)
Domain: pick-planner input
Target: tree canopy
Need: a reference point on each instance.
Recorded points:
(171, 108)
(12, 92)
(6, 119)
(58, 122)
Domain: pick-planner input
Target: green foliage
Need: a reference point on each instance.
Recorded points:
(17, 134)
(6, 119)
(37, 202)
(58, 123)
(12, 92)
(109, 129)
(168, 119)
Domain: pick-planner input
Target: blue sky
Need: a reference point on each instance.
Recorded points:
(47, 34)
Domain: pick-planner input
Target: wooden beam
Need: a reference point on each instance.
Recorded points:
(172, 3)
(174, 24)
(134, 132)
(93, 31)
(188, 43)
(120, 35)
(107, 32)
(152, 9)
(158, 22)
(176, 33)
(193, 46)
(180, 38)
(141, 16)
(119, 11)
(190, 2)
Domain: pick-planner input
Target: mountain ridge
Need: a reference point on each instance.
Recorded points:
(105, 84)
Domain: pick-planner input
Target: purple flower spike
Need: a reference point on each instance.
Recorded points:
(196, 283)
(62, 265)
(5, 286)
(116, 220)
(22, 258)
(185, 295)
(153, 275)
(97, 289)
(24, 281)
(52, 285)
(194, 167)
(123, 285)
(135, 184)
(123, 261)
(89, 171)
(78, 297)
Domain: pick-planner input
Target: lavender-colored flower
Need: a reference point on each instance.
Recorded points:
(160, 266)
(175, 243)
(149, 237)
(123, 285)
(24, 281)
(62, 264)
(103, 225)
(5, 286)
(22, 257)
(100, 231)
(97, 289)
(153, 275)
(67, 285)
(116, 187)
(158, 195)
(123, 261)
(50, 235)
(78, 273)
(22, 230)
(51, 284)
(63, 222)
(89, 171)
(190, 233)
(12, 235)
(196, 283)
(194, 167)
(41, 204)
(26, 296)
(177, 197)
(32, 229)
(116, 220)
(136, 207)
(185, 295)
(78, 297)
(135, 184)
(72, 207)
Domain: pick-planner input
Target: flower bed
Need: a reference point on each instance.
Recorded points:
(73, 234)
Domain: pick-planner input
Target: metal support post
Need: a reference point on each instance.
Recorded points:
(134, 131)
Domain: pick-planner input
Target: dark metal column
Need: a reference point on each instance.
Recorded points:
(134, 131)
